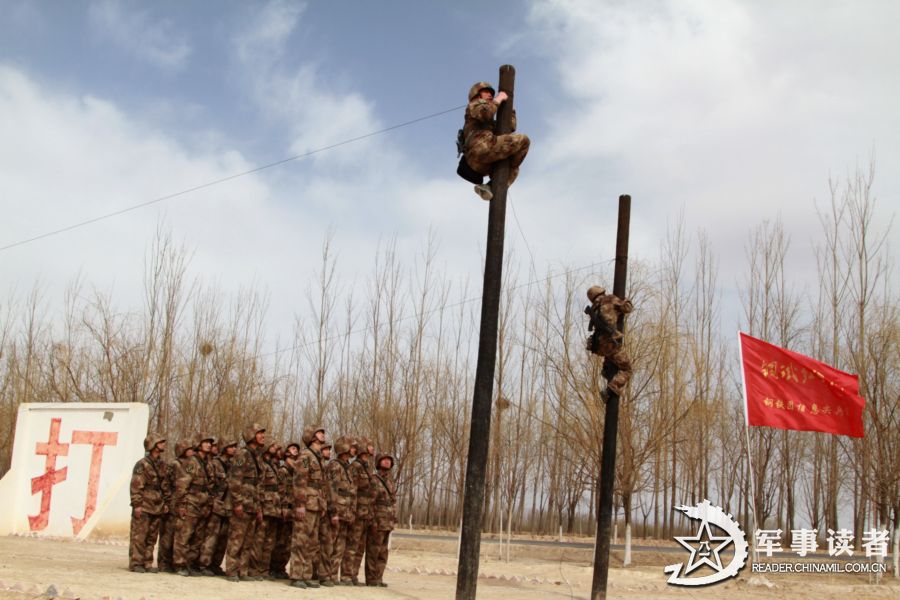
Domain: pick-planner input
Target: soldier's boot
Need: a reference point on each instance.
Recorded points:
(298, 584)
(151, 569)
(184, 572)
(233, 578)
(326, 583)
(312, 583)
(138, 569)
(484, 191)
(207, 572)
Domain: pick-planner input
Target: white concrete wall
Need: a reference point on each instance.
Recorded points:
(52, 487)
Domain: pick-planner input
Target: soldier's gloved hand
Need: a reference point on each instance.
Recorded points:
(300, 513)
(165, 508)
(500, 97)
(239, 511)
(138, 512)
(334, 520)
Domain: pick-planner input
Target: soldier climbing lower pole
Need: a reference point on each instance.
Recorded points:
(611, 423)
(473, 503)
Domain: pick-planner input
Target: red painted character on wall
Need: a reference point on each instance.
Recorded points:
(43, 484)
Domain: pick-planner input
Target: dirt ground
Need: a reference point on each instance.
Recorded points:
(420, 569)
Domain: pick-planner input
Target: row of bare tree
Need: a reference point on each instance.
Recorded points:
(395, 361)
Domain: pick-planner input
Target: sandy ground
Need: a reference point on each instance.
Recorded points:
(419, 569)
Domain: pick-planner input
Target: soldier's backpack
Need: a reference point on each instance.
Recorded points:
(463, 169)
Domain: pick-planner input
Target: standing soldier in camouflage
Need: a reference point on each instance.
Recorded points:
(309, 505)
(383, 523)
(606, 340)
(213, 550)
(341, 504)
(482, 146)
(281, 554)
(323, 572)
(244, 477)
(361, 474)
(271, 509)
(147, 504)
(193, 483)
(167, 525)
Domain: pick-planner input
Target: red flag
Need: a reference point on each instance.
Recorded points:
(787, 390)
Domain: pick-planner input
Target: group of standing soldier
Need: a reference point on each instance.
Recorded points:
(271, 511)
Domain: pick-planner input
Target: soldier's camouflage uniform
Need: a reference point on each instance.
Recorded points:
(244, 477)
(308, 492)
(363, 479)
(148, 479)
(610, 347)
(483, 147)
(342, 504)
(385, 501)
(167, 524)
(213, 551)
(281, 554)
(271, 508)
(193, 482)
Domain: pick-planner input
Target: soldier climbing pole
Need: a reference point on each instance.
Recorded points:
(473, 502)
(611, 423)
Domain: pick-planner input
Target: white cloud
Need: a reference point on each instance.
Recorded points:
(736, 111)
(313, 111)
(135, 31)
(69, 158)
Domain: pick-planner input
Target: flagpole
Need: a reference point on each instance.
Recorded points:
(749, 455)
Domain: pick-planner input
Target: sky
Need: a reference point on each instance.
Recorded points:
(723, 113)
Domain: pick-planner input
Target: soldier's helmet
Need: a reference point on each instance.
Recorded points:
(201, 437)
(273, 444)
(327, 444)
(309, 434)
(152, 440)
(250, 432)
(363, 444)
(381, 457)
(183, 446)
(294, 444)
(594, 291)
(481, 85)
(226, 442)
(342, 445)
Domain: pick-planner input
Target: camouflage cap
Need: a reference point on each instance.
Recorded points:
(294, 444)
(204, 437)
(594, 291)
(363, 444)
(251, 431)
(342, 445)
(183, 446)
(226, 442)
(152, 440)
(380, 457)
(481, 85)
(309, 434)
